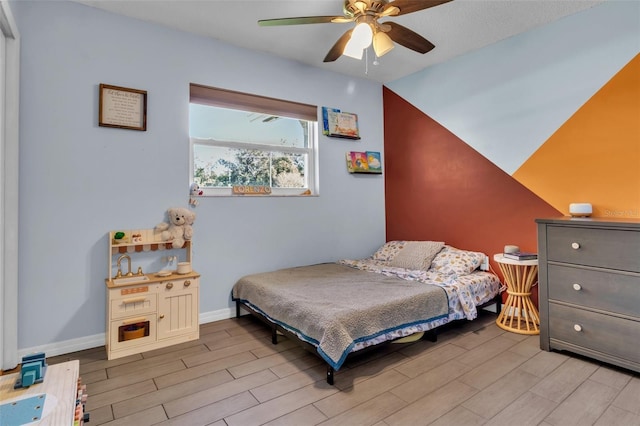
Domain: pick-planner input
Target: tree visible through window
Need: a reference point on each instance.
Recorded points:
(234, 144)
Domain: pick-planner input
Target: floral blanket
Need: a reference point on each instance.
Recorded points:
(464, 291)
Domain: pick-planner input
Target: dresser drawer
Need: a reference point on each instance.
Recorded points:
(607, 291)
(603, 333)
(606, 248)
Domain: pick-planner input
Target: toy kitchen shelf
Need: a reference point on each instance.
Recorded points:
(150, 310)
(137, 241)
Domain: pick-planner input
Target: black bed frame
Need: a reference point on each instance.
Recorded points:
(430, 335)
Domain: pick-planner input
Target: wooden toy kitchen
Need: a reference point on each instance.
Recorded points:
(149, 310)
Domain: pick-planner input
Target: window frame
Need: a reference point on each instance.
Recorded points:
(224, 98)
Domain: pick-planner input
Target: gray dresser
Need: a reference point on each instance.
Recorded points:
(589, 288)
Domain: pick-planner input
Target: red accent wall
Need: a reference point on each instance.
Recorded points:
(439, 188)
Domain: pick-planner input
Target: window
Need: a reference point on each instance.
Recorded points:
(242, 139)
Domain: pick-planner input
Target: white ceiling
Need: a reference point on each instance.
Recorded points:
(455, 28)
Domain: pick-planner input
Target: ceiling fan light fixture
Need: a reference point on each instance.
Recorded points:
(353, 52)
(361, 38)
(365, 14)
(382, 43)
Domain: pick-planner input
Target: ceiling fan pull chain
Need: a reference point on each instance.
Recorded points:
(366, 61)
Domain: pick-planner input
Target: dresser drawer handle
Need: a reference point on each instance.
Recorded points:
(577, 327)
(575, 246)
(187, 283)
(169, 286)
(577, 287)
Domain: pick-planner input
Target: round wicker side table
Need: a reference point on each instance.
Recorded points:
(518, 313)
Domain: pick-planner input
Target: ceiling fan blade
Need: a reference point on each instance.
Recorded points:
(409, 6)
(338, 48)
(298, 21)
(409, 39)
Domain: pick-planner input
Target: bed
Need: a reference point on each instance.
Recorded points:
(337, 309)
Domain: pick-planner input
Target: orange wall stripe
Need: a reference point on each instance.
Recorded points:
(595, 156)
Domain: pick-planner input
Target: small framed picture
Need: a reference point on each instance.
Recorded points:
(122, 107)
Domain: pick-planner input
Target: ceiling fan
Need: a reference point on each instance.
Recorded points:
(365, 13)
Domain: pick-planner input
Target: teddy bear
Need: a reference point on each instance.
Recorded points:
(179, 227)
(195, 191)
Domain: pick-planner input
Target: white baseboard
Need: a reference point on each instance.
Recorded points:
(65, 346)
(88, 342)
(218, 315)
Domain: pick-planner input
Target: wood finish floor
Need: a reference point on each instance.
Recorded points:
(475, 374)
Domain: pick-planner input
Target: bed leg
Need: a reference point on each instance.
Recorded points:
(431, 336)
(330, 375)
(274, 335)
(237, 309)
(498, 304)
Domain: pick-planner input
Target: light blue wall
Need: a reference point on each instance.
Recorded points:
(79, 180)
(507, 99)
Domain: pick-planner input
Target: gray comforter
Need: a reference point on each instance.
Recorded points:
(334, 306)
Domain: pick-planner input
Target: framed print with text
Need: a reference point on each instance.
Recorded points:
(122, 108)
